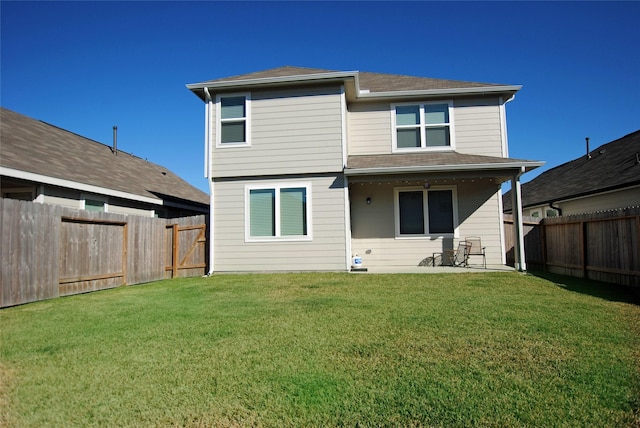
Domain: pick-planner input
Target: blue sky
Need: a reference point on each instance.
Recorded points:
(86, 66)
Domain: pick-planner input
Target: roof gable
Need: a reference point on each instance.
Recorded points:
(37, 147)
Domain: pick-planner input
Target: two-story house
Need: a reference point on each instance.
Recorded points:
(309, 167)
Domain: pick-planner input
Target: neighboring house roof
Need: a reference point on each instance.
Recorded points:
(612, 166)
(366, 84)
(31, 147)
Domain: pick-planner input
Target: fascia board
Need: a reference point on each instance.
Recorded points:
(515, 166)
(481, 90)
(39, 178)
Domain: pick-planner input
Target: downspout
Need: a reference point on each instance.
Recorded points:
(345, 184)
(503, 125)
(518, 228)
(208, 172)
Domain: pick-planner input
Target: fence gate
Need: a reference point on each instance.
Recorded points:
(93, 255)
(185, 250)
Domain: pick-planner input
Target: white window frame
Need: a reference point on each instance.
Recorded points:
(278, 237)
(246, 120)
(423, 126)
(425, 201)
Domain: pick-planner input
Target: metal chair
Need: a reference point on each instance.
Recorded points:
(477, 249)
(458, 257)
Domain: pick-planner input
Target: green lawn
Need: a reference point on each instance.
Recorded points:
(335, 349)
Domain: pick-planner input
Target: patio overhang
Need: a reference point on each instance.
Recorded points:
(441, 164)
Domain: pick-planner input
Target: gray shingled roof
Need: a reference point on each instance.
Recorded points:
(285, 71)
(612, 166)
(37, 147)
(374, 82)
(433, 159)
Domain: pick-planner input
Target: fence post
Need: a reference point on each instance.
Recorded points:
(125, 248)
(174, 263)
(584, 255)
(543, 239)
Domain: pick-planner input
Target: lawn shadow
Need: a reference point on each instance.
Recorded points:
(603, 290)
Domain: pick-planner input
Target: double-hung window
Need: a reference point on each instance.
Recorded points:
(281, 212)
(425, 212)
(422, 126)
(233, 126)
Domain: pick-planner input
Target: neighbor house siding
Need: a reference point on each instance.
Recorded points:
(604, 201)
(292, 132)
(373, 227)
(62, 197)
(118, 208)
(477, 127)
(325, 251)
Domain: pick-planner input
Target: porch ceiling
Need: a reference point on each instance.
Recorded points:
(452, 164)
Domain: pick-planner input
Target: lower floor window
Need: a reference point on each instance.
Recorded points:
(421, 212)
(278, 212)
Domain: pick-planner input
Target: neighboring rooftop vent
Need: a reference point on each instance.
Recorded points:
(115, 140)
(588, 151)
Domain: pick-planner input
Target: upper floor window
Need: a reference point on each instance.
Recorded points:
(233, 124)
(422, 126)
(278, 212)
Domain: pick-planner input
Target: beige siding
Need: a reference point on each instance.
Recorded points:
(326, 251)
(373, 226)
(62, 197)
(120, 209)
(292, 132)
(369, 129)
(477, 128)
(605, 201)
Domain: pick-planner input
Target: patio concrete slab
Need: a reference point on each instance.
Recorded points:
(438, 269)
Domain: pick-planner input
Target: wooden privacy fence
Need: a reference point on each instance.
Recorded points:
(50, 251)
(603, 246)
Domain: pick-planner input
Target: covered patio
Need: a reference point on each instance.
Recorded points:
(472, 183)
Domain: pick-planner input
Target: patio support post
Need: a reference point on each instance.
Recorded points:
(518, 228)
(208, 152)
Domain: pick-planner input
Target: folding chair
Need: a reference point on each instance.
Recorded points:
(476, 248)
(458, 257)
(461, 255)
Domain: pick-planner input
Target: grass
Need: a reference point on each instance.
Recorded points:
(494, 349)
